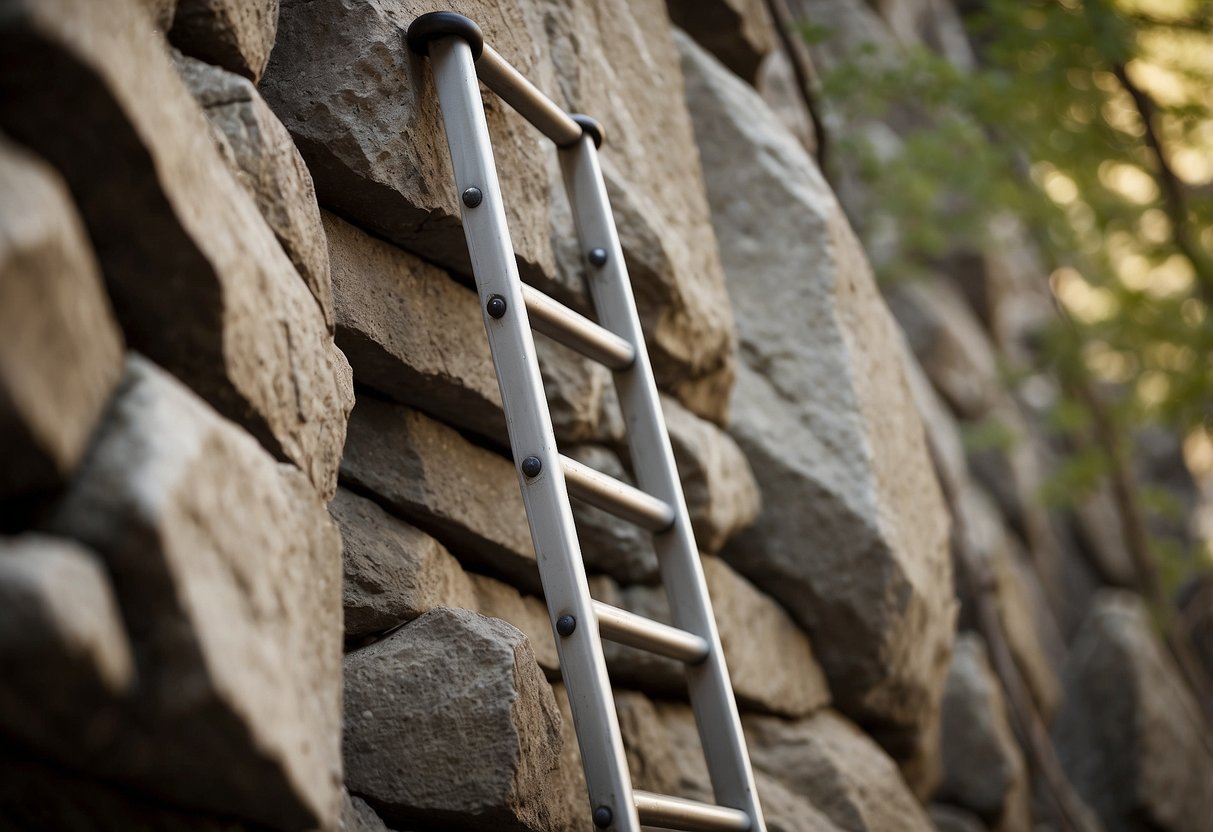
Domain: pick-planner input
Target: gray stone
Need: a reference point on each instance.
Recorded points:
(952, 819)
(526, 612)
(235, 34)
(62, 643)
(770, 659)
(428, 474)
(1130, 735)
(606, 55)
(238, 706)
(785, 809)
(777, 85)
(62, 351)
(823, 413)
(269, 167)
(721, 494)
(418, 757)
(739, 33)
(833, 764)
(357, 816)
(610, 545)
(229, 314)
(983, 768)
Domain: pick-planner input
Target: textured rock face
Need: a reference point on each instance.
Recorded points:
(770, 660)
(270, 169)
(606, 55)
(483, 766)
(245, 331)
(608, 544)
(427, 473)
(739, 33)
(235, 34)
(983, 769)
(62, 642)
(63, 351)
(823, 413)
(1129, 733)
(833, 764)
(721, 494)
(238, 656)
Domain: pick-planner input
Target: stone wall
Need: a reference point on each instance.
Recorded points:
(265, 562)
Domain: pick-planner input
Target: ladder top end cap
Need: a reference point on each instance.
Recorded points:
(589, 126)
(435, 25)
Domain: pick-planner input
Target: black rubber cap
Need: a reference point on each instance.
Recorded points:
(589, 126)
(436, 25)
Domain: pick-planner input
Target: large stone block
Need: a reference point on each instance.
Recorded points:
(235, 34)
(721, 494)
(62, 643)
(269, 167)
(425, 472)
(852, 538)
(62, 352)
(197, 279)
(1130, 735)
(833, 764)
(418, 757)
(770, 659)
(227, 570)
(740, 33)
(983, 768)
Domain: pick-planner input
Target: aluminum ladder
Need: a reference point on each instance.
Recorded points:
(459, 57)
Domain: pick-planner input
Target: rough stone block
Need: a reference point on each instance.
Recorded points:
(269, 167)
(227, 569)
(235, 34)
(983, 768)
(417, 757)
(823, 413)
(62, 352)
(740, 33)
(1130, 735)
(197, 279)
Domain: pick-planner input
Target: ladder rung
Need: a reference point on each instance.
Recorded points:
(625, 627)
(619, 498)
(690, 815)
(574, 330)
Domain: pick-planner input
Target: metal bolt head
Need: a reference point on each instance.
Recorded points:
(531, 466)
(565, 625)
(472, 197)
(603, 817)
(495, 306)
(598, 256)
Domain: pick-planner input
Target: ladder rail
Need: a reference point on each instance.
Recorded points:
(529, 425)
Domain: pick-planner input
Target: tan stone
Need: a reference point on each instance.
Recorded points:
(235, 34)
(228, 314)
(739, 33)
(238, 707)
(61, 354)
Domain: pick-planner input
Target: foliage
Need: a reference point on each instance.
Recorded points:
(1092, 122)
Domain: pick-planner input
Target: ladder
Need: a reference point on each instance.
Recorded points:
(459, 56)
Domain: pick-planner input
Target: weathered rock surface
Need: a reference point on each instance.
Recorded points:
(245, 332)
(983, 768)
(62, 642)
(238, 656)
(161, 12)
(721, 494)
(365, 114)
(417, 756)
(425, 472)
(739, 33)
(62, 352)
(823, 413)
(235, 34)
(952, 819)
(606, 55)
(785, 808)
(1129, 734)
(609, 545)
(833, 764)
(777, 84)
(357, 816)
(269, 167)
(770, 659)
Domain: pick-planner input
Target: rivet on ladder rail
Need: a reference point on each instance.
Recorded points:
(598, 256)
(472, 197)
(531, 466)
(603, 817)
(495, 306)
(565, 625)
